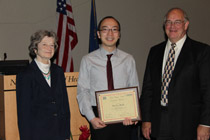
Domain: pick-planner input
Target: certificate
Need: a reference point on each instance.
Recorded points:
(116, 105)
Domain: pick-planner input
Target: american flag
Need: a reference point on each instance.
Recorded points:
(67, 37)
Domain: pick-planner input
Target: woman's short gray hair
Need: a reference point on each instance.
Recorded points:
(37, 37)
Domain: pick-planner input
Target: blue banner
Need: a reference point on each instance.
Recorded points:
(93, 41)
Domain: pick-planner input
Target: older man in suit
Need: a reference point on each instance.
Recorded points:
(175, 101)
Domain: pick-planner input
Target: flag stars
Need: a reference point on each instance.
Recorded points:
(61, 6)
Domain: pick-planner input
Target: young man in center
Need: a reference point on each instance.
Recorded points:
(93, 77)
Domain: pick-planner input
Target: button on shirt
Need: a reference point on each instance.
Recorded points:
(93, 76)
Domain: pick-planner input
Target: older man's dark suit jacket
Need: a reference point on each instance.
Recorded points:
(43, 111)
(189, 90)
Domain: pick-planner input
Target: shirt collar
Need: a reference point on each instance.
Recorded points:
(179, 43)
(104, 53)
(43, 67)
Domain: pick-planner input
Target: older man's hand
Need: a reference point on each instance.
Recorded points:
(203, 132)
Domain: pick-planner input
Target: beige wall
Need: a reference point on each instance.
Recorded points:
(141, 22)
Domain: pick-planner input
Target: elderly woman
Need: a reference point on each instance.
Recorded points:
(42, 101)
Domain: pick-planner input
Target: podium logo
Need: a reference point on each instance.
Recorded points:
(13, 82)
(71, 80)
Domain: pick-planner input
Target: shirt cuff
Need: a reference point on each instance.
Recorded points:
(205, 125)
(90, 115)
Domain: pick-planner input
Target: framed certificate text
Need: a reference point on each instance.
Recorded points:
(116, 105)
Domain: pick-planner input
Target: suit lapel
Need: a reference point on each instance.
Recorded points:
(159, 62)
(39, 77)
(54, 77)
(183, 56)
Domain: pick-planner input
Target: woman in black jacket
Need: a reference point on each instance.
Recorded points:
(42, 100)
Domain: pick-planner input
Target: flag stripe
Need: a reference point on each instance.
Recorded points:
(67, 37)
(66, 49)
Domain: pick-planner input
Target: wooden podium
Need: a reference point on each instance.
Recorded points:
(8, 109)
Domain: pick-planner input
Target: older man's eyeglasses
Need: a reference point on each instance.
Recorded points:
(106, 30)
(175, 23)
